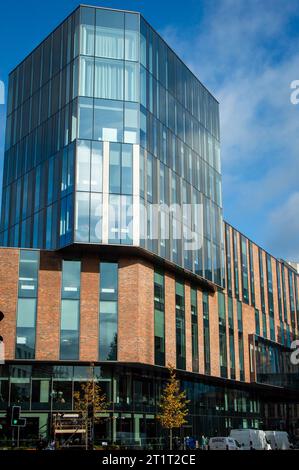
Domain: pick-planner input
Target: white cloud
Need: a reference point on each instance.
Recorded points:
(244, 53)
(285, 226)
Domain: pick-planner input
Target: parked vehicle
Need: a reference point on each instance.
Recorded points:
(251, 439)
(223, 443)
(279, 440)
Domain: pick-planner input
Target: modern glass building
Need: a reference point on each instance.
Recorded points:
(112, 140)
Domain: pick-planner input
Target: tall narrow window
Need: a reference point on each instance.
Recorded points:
(222, 335)
(284, 292)
(244, 265)
(206, 332)
(180, 325)
(194, 330)
(121, 169)
(292, 300)
(231, 338)
(241, 340)
(236, 264)
(270, 297)
(279, 296)
(251, 268)
(228, 260)
(262, 287)
(27, 300)
(257, 322)
(70, 310)
(108, 311)
(159, 306)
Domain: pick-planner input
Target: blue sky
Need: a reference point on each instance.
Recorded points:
(247, 54)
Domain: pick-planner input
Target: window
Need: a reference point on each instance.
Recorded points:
(96, 181)
(257, 322)
(83, 165)
(86, 76)
(121, 169)
(28, 272)
(109, 79)
(240, 339)
(236, 263)
(194, 330)
(82, 217)
(109, 34)
(70, 310)
(96, 214)
(108, 311)
(222, 335)
(120, 219)
(26, 318)
(85, 118)
(131, 123)
(278, 277)
(71, 272)
(244, 263)
(131, 36)
(131, 81)
(206, 332)
(262, 288)
(26, 311)
(108, 120)
(231, 338)
(228, 260)
(180, 326)
(69, 329)
(159, 317)
(87, 25)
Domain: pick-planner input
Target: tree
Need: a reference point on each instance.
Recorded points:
(90, 394)
(173, 405)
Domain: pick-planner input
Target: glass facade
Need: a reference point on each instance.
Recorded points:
(129, 129)
(133, 395)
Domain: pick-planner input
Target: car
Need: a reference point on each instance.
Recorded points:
(223, 443)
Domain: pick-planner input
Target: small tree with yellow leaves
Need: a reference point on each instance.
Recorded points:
(173, 405)
(90, 394)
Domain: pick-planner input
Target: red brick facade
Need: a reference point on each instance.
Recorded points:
(135, 310)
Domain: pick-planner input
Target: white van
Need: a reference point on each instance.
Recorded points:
(279, 440)
(223, 443)
(250, 439)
